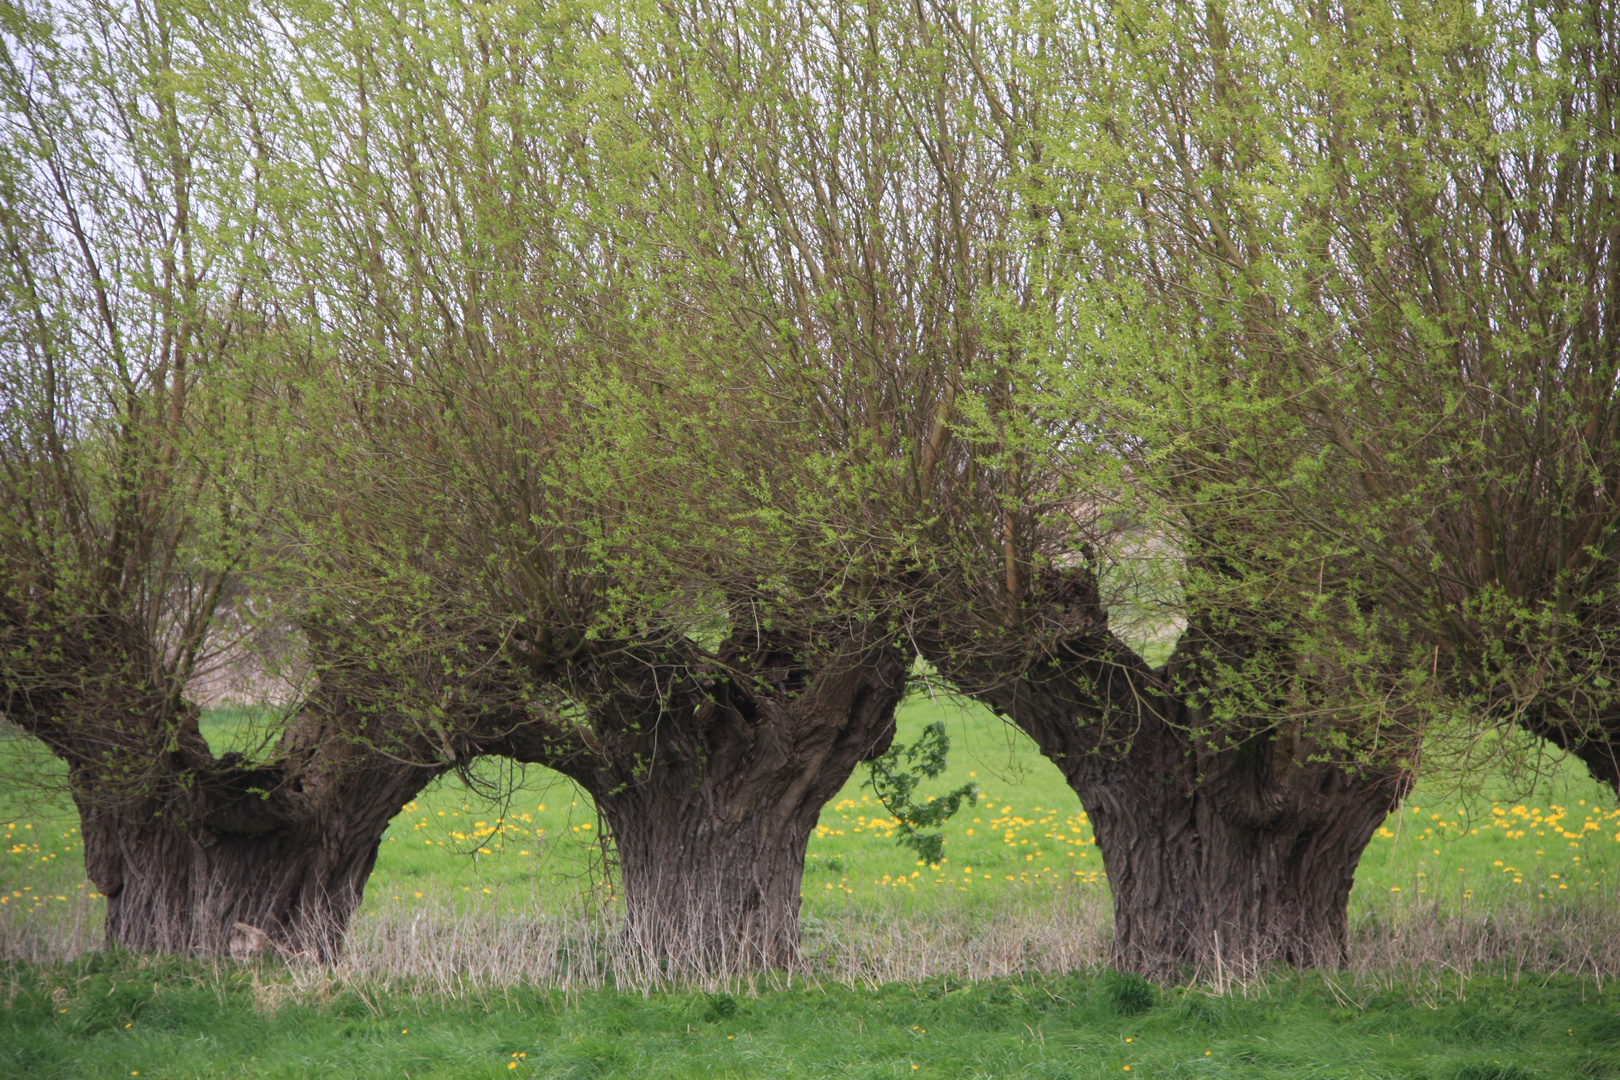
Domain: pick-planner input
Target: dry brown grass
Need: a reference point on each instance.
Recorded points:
(62, 925)
(1405, 940)
(489, 943)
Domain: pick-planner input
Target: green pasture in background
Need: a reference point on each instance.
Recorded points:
(520, 835)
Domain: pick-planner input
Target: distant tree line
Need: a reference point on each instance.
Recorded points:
(1225, 395)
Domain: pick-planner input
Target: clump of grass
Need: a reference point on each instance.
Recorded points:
(721, 1007)
(1409, 939)
(1128, 994)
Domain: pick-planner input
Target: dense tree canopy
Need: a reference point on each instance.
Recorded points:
(1380, 248)
(1222, 395)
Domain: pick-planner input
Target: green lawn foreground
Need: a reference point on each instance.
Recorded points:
(167, 1019)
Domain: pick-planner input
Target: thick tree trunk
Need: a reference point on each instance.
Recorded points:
(203, 853)
(710, 800)
(1222, 860)
(171, 889)
(1194, 888)
(1227, 847)
(196, 889)
(711, 848)
(711, 878)
(244, 859)
(1218, 859)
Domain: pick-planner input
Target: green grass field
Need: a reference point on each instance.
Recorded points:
(1021, 872)
(1027, 833)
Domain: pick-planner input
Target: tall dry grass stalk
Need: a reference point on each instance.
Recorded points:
(457, 948)
(497, 941)
(51, 921)
(1406, 940)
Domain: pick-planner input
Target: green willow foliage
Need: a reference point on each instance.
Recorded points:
(514, 357)
(1250, 306)
(511, 311)
(1369, 253)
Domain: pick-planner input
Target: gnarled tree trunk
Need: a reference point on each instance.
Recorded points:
(1227, 847)
(241, 873)
(711, 865)
(1197, 885)
(711, 791)
(210, 854)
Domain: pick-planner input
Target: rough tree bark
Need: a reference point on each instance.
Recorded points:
(200, 853)
(1226, 848)
(220, 868)
(711, 787)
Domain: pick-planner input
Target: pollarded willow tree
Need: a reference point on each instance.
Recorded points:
(937, 285)
(518, 403)
(1350, 273)
(1234, 779)
(138, 485)
(123, 530)
(1392, 236)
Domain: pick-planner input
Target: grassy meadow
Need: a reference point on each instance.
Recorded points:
(516, 843)
(1485, 933)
